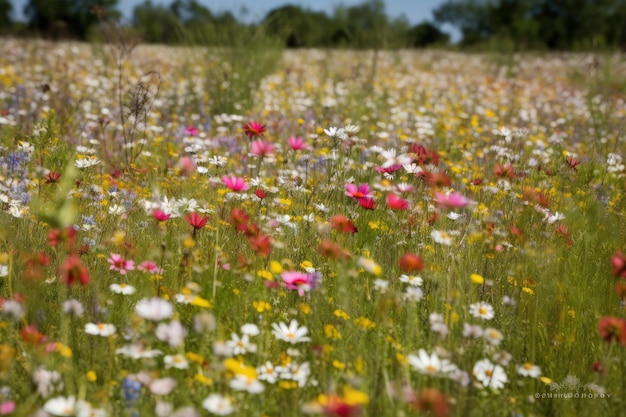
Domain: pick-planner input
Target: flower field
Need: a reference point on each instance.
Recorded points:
(378, 234)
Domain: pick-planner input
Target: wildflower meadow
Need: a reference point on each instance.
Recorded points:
(388, 233)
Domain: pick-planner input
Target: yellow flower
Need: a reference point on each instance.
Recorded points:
(240, 368)
(545, 380)
(342, 314)
(261, 306)
(188, 243)
(477, 279)
(305, 308)
(200, 302)
(64, 350)
(331, 332)
(359, 365)
(364, 323)
(288, 384)
(267, 275)
(91, 376)
(354, 397)
(339, 365)
(194, 357)
(275, 267)
(306, 264)
(203, 379)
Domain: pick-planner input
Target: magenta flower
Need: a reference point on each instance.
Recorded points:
(235, 183)
(160, 215)
(120, 264)
(396, 203)
(261, 148)
(297, 143)
(192, 131)
(253, 129)
(300, 281)
(358, 193)
(452, 200)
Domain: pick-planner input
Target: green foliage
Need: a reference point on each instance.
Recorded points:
(533, 24)
(58, 19)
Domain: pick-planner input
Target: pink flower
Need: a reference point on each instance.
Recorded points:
(150, 267)
(7, 407)
(261, 148)
(357, 193)
(186, 166)
(301, 281)
(297, 143)
(160, 215)
(452, 200)
(396, 203)
(236, 184)
(197, 221)
(367, 203)
(120, 264)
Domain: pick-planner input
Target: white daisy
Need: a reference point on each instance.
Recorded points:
(100, 329)
(292, 333)
(482, 310)
(175, 361)
(241, 345)
(430, 364)
(122, 289)
(490, 374)
(218, 404)
(528, 369)
(154, 308)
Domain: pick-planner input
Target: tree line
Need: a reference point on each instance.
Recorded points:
(514, 24)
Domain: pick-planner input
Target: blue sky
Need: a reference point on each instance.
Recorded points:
(415, 10)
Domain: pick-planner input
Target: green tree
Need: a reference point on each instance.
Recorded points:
(157, 24)
(556, 24)
(298, 28)
(67, 18)
(6, 8)
(426, 34)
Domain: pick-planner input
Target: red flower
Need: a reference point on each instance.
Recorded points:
(598, 367)
(394, 202)
(410, 262)
(260, 193)
(73, 271)
(253, 129)
(424, 156)
(261, 244)
(618, 261)
(505, 170)
(239, 219)
(196, 220)
(343, 224)
(56, 236)
(52, 177)
(613, 328)
(31, 335)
